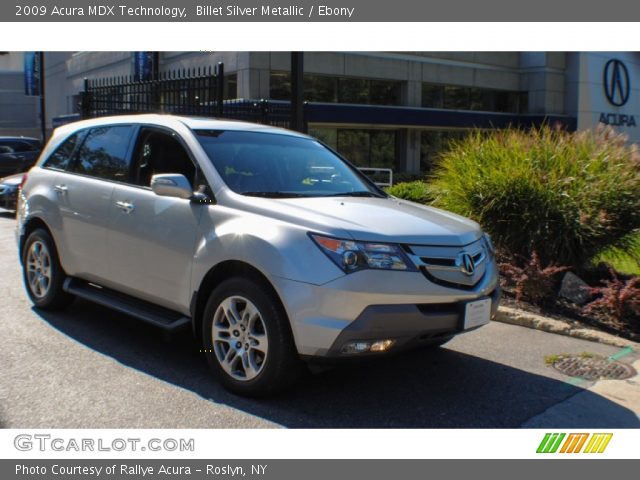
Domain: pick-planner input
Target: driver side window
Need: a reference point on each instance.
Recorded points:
(158, 151)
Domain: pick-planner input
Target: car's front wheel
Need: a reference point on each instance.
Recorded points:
(247, 339)
(42, 273)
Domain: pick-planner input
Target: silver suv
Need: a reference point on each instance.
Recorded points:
(273, 248)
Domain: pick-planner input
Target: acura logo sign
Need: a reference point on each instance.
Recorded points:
(467, 265)
(616, 82)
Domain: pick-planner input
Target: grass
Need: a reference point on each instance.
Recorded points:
(567, 196)
(625, 262)
(551, 359)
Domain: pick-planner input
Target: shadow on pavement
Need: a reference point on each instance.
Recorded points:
(420, 389)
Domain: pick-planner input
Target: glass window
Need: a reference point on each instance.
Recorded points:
(353, 90)
(328, 136)
(456, 98)
(280, 86)
(20, 146)
(103, 153)
(319, 88)
(262, 164)
(432, 96)
(382, 148)
(473, 98)
(159, 152)
(363, 148)
(59, 160)
(329, 89)
(435, 142)
(384, 92)
(354, 146)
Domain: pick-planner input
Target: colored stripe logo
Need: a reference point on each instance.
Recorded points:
(574, 443)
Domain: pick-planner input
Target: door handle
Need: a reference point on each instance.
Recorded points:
(126, 207)
(60, 188)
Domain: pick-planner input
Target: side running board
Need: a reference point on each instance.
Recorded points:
(145, 311)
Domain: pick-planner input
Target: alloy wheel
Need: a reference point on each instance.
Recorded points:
(239, 335)
(39, 269)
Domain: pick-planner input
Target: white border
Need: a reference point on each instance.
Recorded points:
(330, 444)
(273, 36)
(334, 36)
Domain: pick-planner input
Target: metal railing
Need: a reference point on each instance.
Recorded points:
(183, 92)
(195, 92)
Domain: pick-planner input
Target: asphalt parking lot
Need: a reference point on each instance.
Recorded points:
(90, 367)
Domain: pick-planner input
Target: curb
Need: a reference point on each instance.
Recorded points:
(514, 316)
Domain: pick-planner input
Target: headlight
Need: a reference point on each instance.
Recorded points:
(351, 256)
(489, 243)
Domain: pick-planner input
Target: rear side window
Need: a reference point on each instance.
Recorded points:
(59, 160)
(103, 153)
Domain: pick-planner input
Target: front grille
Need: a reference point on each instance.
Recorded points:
(443, 262)
(449, 266)
(446, 283)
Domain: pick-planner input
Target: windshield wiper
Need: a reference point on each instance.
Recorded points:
(274, 194)
(356, 194)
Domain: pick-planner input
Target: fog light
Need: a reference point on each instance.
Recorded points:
(381, 345)
(364, 347)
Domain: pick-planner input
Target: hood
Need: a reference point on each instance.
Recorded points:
(13, 180)
(374, 219)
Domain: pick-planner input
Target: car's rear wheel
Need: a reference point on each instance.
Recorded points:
(247, 339)
(42, 273)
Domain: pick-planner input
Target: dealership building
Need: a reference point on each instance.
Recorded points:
(397, 109)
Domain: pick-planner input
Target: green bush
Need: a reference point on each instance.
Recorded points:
(416, 191)
(568, 196)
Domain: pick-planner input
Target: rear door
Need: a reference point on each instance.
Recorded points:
(84, 194)
(151, 239)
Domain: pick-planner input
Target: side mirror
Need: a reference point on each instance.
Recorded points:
(171, 185)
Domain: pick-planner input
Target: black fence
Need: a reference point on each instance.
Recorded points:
(184, 92)
(195, 92)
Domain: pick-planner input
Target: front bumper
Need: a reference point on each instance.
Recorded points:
(370, 305)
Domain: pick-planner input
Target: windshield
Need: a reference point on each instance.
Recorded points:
(280, 166)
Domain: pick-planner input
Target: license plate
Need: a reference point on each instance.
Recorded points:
(477, 313)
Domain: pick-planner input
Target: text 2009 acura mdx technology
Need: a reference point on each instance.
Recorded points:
(272, 247)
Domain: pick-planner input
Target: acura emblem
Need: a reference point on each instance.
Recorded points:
(467, 265)
(616, 82)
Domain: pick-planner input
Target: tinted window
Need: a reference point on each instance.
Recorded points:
(280, 165)
(159, 152)
(103, 153)
(59, 160)
(18, 145)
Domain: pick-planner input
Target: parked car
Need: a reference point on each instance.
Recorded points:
(18, 154)
(239, 231)
(9, 191)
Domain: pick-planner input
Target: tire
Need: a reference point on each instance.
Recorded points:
(42, 273)
(253, 353)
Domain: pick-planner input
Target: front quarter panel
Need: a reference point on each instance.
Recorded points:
(274, 247)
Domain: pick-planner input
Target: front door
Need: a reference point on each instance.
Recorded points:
(151, 239)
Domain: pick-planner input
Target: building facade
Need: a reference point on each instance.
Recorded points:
(399, 109)
(19, 114)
